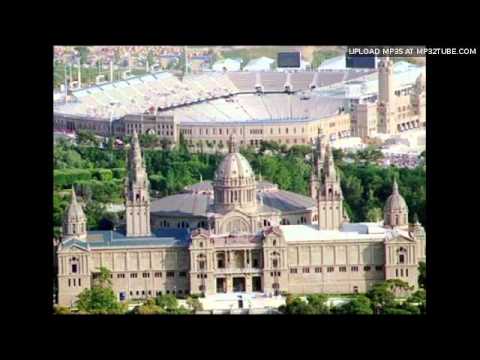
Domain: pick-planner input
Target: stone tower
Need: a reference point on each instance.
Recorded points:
(318, 161)
(75, 222)
(417, 231)
(386, 97)
(330, 197)
(137, 198)
(396, 210)
(418, 98)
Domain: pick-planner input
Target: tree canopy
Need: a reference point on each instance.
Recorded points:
(100, 298)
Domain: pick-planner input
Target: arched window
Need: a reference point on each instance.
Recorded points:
(402, 252)
(397, 222)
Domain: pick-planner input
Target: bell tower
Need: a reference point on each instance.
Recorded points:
(386, 97)
(318, 161)
(330, 196)
(137, 198)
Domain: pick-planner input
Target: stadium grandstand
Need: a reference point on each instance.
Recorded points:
(286, 107)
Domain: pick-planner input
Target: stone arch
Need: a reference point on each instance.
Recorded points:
(235, 224)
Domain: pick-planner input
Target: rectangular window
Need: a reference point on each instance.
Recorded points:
(79, 282)
(406, 272)
(182, 274)
(401, 272)
(146, 275)
(69, 283)
(396, 272)
(158, 274)
(330, 269)
(133, 275)
(354, 268)
(342, 269)
(170, 274)
(379, 267)
(74, 282)
(306, 270)
(293, 271)
(74, 268)
(318, 269)
(121, 276)
(366, 268)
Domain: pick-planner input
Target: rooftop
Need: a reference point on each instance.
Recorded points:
(299, 233)
(109, 239)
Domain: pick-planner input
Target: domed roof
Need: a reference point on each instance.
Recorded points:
(234, 165)
(74, 209)
(395, 202)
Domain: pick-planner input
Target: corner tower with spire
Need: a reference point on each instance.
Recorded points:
(329, 195)
(137, 198)
(318, 161)
(396, 210)
(75, 222)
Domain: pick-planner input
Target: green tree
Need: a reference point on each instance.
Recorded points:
(149, 140)
(374, 214)
(194, 303)
(319, 304)
(167, 301)
(87, 137)
(381, 297)
(298, 306)
(100, 298)
(149, 308)
(359, 305)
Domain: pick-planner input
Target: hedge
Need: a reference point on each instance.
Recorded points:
(67, 177)
(102, 174)
(102, 191)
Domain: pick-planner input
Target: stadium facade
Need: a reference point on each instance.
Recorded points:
(239, 235)
(287, 107)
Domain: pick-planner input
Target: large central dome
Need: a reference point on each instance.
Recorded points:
(234, 185)
(234, 166)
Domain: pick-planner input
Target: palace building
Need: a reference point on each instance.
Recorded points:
(237, 234)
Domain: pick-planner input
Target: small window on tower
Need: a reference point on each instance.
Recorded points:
(74, 268)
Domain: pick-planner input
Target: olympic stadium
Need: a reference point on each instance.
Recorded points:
(287, 107)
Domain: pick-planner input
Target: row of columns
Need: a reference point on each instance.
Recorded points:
(229, 258)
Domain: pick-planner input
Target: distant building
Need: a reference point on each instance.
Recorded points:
(260, 64)
(227, 65)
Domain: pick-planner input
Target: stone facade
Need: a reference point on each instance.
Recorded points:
(243, 244)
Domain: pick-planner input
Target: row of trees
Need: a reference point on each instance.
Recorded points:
(381, 299)
(365, 185)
